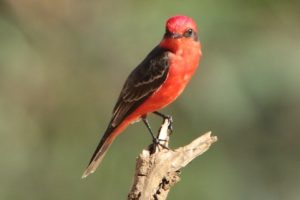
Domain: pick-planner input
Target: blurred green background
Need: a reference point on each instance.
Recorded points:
(63, 63)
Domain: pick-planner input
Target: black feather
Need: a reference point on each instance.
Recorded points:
(145, 79)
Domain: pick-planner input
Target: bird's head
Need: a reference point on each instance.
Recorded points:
(179, 29)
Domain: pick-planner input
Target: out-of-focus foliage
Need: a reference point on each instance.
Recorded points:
(62, 64)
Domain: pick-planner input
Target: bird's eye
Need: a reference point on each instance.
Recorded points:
(188, 33)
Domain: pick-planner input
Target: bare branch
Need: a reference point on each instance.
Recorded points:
(156, 173)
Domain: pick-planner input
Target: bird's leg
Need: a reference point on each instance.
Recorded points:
(145, 120)
(155, 140)
(169, 117)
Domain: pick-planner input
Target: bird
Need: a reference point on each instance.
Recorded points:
(155, 83)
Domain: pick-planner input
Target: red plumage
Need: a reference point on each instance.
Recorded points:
(155, 83)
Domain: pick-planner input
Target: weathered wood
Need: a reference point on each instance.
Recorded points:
(158, 170)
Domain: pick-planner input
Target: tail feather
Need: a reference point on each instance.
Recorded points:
(96, 160)
(100, 151)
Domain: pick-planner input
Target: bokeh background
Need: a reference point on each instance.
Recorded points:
(63, 63)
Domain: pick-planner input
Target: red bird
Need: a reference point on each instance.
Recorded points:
(155, 83)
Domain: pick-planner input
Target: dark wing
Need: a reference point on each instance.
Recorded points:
(145, 79)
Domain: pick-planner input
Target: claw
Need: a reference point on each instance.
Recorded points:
(170, 127)
(169, 117)
(157, 142)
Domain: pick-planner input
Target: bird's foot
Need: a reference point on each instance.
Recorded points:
(170, 127)
(156, 143)
(169, 118)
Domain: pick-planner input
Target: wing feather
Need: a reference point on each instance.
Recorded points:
(145, 79)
